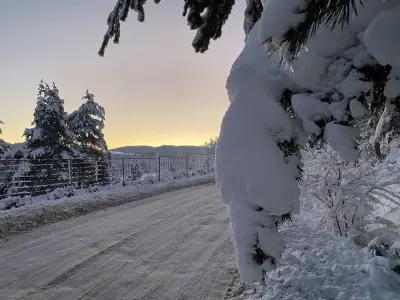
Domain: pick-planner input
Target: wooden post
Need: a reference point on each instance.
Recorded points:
(96, 172)
(123, 171)
(69, 171)
(159, 168)
(187, 164)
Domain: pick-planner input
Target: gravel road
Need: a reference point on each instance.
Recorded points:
(171, 246)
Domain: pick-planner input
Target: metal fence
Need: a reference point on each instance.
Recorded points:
(22, 177)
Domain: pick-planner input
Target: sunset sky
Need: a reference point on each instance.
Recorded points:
(154, 88)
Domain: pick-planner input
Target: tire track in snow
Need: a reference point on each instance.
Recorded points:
(172, 246)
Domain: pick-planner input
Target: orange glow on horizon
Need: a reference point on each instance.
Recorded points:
(155, 89)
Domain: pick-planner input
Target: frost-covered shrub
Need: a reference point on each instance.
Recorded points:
(354, 196)
(136, 173)
(179, 174)
(11, 202)
(325, 187)
(61, 193)
(149, 179)
(93, 188)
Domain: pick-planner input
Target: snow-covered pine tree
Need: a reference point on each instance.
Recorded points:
(47, 145)
(340, 65)
(354, 79)
(211, 145)
(209, 161)
(4, 178)
(87, 124)
(9, 155)
(327, 87)
(49, 138)
(3, 145)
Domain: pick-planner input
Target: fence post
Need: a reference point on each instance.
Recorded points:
(187, 164)
(123, 171)
(69, 171)
(96, 171)
(159, 168)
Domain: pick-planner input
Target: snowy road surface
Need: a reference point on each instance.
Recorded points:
(171, 246)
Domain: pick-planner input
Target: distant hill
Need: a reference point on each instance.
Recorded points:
(166, 150)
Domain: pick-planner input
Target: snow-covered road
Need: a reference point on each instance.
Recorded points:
(171, 246)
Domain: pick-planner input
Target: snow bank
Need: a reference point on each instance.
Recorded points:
(40, 211)
(316, 265)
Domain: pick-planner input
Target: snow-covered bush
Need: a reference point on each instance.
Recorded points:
(333, 81)
(149, 179)
(352, 197)
(60, 193)
(355, 200)
(136, 173)
(11, 202)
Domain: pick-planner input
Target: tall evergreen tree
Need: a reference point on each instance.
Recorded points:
(3, 144)
(87, 124)
(49, 138)
(48, 144)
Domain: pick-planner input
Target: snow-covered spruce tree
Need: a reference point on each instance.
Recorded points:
(5, 176)
(209, 162)
(9, 154)
(49, 138)
(329, 63)
(3, 145)
(211, 145)
(87, 124)
(338, 80)
(47, 143)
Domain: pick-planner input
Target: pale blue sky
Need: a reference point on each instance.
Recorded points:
(155, 89)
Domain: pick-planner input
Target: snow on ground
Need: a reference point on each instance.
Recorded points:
(317, 265)
(40, 210)
(167, 247)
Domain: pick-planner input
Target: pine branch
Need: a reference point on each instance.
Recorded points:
(317, 12)
(207, 17)
(252, 14)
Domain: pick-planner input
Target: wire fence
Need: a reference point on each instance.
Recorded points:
(23, 177)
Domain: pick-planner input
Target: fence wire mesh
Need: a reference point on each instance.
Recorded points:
(22, 177)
